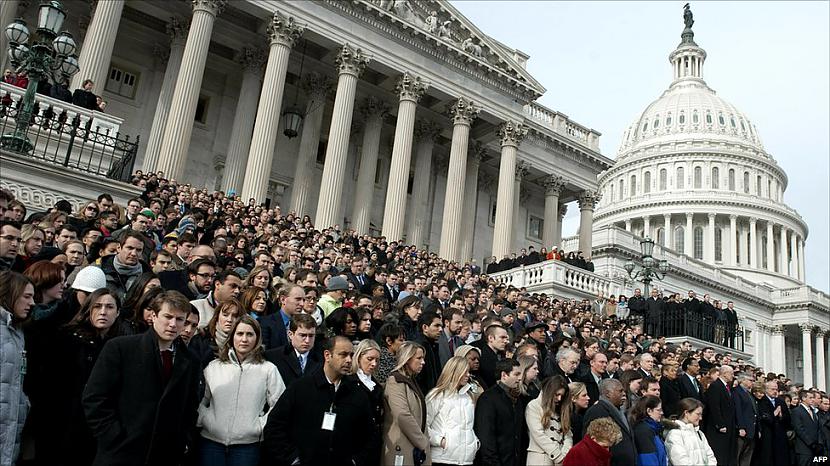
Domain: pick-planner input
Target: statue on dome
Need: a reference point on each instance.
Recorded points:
(688, 18)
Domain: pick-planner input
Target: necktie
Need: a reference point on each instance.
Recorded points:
(301, 359)
(166, 365)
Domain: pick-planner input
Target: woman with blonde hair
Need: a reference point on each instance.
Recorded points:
(32, 240)
(405, 410)
(595, 447)
(579, 404)
(529, 386)
(364, 366)
(450, 415)
(237, 386)
(548, 419)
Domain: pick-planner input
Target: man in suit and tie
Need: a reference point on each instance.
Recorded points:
(297, 359)
(595, 375)
(808, 438)
(390, 288)
(359, 279)
(773, 423)
(448, 340)
(719, 418)
(689, 386)
(745, 417)
(612, 397)
(645, 364)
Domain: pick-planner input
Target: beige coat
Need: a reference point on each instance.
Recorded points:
(403, 420)
(548, 446)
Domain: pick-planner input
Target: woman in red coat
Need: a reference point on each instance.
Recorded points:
(593, 449)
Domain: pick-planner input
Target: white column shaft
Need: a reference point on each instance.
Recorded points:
(628, 224)
(504, 202)
(778, 355)
(586, 228)
(821, 374)
(365, 189)
(420, 193)
(753, 244)
(793, 255)
(307, 156)
(807, 356)
(667, 233)
(733, 240)
(551, 221)
(454, 198)
(801, 275)
(243, 126)
(394, 212)
(176, 141)
(770, 248)
(468, 224)
(331, 186)
(759, 346)
(782, 252)
(647, 226)
(710, 240)
(96, 50)
(174, 62)
(688, 237)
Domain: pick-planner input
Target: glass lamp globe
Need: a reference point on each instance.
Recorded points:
(70, 66)
(17, 32)
(64, 44)
(50, 16)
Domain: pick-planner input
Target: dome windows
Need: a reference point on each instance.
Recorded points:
(698, 177)
(668, 120)
(633, 186)
(681, 181)
(682, 118)
(731, 179)
(663, 179)
(732, 121)
(721, 120)
(647, 182)
(645, 126)
(656, 123)
(715, 178)
(694, 117)
(708, 118)
(743, 127)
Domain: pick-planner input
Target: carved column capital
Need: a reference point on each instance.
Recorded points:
(511, 133)
(284, 30)
(554, 185)
(820, 333)
(485, 182)
(214, 7)
(317, 86)
(463, 111)
(410, 87)
(351, 60)
(777, 329)
(522, 169)
(476, 152)
(177, 29)
(252, 59)
(805, 328)
(426, 129)
(372, 107)
(588, 199)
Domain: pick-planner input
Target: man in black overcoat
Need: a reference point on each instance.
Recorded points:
(141, 398)
(771, 446)
(808, 437)
(500, 419)
(719, 418)
(300, 347)
(612, 396)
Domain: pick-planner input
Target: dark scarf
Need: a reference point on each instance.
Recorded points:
(401, 378)
(513, 393)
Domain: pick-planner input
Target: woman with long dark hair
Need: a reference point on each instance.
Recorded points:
(548, 419)
(409, 309)
(142, 284)
(646, 422)
(342, 322)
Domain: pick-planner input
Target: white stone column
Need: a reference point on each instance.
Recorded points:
(628, 225)
(646, 226)
(554, 184)
(667, 233)
(807, 354)
(733, 240)
(468, 227)
(176, 141)
(283, 33)
(759, 345)
(743, 231)
(373, 110)
(587, 200)
(463, 113)
(794, 255)
(177, 29)
(317, 89)
(350, 62)
(770, 248)
(709, 255)
(96, 51)
(511, 135)
(688, 237)
(250, 61)
(563, 209)
(425, 134)
(821, 367)
(801, 275)
(8, 13)
(753, 243)
(517, 230)
(410, 89)
(783, 267)
(778, 357)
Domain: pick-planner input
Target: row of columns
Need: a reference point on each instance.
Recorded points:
(791, 260)
(770, 353)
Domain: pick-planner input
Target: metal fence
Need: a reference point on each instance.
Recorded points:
(60, 140)
(677, 322)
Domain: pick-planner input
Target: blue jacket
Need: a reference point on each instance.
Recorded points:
(651, 451)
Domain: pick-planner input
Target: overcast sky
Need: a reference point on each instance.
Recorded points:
(602, 63)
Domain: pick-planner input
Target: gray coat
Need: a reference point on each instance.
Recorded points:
(14, 404)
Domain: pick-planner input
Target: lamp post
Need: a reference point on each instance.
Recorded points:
(650, 269)
(48, 56)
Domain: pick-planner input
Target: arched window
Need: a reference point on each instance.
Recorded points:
(681, 178)
(694, 117)
(681, 119)
(769, 189)
(708, 118)
(698, 240)
(668, 120)
(656, 123)
(645, 125)
(764, 257)
(718, 244)
(632, 190)
(698, 177)
(622, 189)
(758, 185)
(679, 240)
(731, 179)
(661, 237)
(663, 179)
(647, 183)
(721, 120)
(715, 178)
(746, 182)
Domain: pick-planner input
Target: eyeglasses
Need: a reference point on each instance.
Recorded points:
(210, 276)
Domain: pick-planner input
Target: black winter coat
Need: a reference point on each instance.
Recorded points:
(772, 447)
(670, 395)
(136, 418)
(289, 367)
(294, 425)
(623, 453)
(432, 368)
(719, 412)
(499, 424)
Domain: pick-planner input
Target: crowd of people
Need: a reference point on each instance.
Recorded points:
(190, 328)
(82, 97)
(529, 256)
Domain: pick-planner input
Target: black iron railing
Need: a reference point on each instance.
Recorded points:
(61, 140)
(677, 322)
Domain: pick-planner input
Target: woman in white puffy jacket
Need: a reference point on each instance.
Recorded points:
(237, 387)
(549, 426)
(450, 411)
(686, 445)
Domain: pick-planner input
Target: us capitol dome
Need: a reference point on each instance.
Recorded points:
(692, 173)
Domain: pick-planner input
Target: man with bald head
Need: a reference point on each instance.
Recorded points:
(611, 399)
(719, 417)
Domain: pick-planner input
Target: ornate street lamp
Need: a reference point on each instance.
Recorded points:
(50, 57)
(650, 269)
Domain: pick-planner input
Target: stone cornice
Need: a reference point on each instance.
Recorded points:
(438, 49)
(562, 147)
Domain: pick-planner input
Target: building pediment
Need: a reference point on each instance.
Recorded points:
(443, 28)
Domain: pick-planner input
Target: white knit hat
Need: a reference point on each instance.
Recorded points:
(89, 279)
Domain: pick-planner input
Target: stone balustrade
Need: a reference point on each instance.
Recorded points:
(561, 124)
(558, 278)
